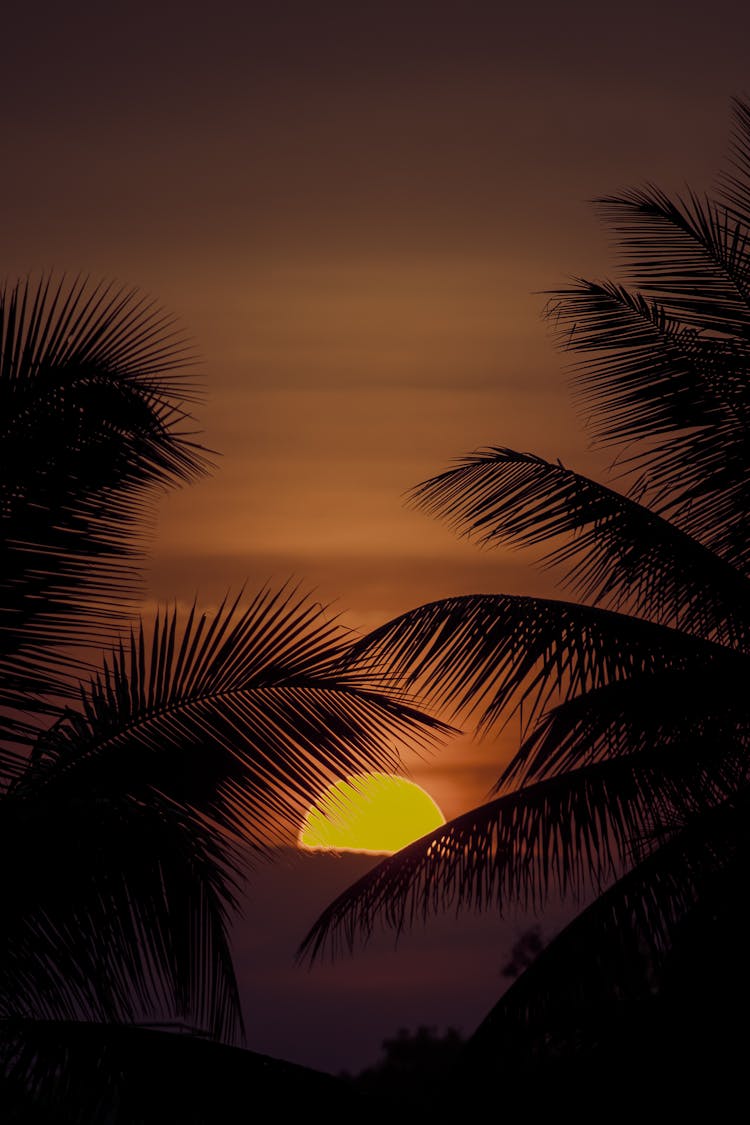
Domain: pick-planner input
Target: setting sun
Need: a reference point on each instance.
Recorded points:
(376, 813)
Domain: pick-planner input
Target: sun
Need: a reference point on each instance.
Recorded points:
(375, 813)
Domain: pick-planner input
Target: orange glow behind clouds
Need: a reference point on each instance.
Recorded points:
(375, 813)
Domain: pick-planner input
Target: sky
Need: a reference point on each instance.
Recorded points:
(356, 210)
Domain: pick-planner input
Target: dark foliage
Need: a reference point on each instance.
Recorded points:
(632, 774)
(95, 382)
(132, 803)
(65, 1072)
(417, 1071)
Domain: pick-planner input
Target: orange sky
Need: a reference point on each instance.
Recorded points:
(353, 208)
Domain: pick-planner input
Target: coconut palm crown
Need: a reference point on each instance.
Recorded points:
(631, 778)
(136, 786)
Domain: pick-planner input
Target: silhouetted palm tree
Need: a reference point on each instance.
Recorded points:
(632, 772)
(131, 803)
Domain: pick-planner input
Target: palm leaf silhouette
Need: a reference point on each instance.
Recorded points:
(94, 383)
(633, 764)
(193, 747)
(133, 803)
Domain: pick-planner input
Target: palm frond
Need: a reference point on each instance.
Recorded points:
(560, 836)
(93, 386)
(194, 746)
(618, 553)
(239, 715)
(634, 731)
(675, 397)
(501, 654)
(621, 949)
(116, 909)
(643, 373)
(690, 254)
(662, 708)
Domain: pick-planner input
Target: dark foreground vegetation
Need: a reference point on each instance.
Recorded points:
(134, 785)
(631, 784)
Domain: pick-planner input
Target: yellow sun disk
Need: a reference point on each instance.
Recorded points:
(375, 813)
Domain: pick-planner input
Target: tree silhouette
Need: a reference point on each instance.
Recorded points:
(632, 770)
(131, 802)
(416, 1070)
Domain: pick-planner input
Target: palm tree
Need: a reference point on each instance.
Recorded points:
(132, 802)
(631, 777)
